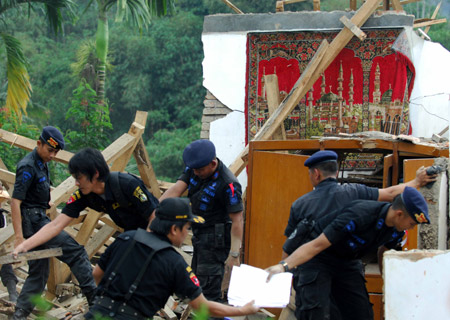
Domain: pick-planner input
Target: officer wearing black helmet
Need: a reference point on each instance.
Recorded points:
(30, 199)
(140, 270)
(328, 262)
(215, 194)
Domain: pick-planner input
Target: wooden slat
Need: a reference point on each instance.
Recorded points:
(7, 177)
(32, 255)
(433, 16)
(145, 168)
(29, 144)
(232, 6)
(356, 31)
(273, 101)
(6, 234)
(429, 23)
(397, 5)
(99, 239)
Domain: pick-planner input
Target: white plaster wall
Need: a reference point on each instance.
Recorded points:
(416, 288)
(443, 214)
(430, 98)
(224, 76)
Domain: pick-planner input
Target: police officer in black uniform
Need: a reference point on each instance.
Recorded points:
(141, 269)
(123, 196)
(215, 194)
(328, 195)
(30, 199)
(330, 266)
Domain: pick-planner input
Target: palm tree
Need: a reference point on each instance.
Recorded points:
(19, 87)
(138, 12)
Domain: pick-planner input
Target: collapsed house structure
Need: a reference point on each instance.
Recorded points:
(300, 82)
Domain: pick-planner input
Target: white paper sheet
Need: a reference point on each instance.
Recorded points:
(248, 283)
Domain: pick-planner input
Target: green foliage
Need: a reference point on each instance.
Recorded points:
(166, 150)
(91, 119)
(202, 313)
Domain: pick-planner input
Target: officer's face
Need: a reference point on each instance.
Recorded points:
(83, 183)
(46, 152)
(206, 171)
(405, 222)
(182, 234)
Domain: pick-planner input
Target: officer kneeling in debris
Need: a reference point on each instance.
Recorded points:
(141, 270)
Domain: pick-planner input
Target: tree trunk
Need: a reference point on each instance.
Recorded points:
(102, 40)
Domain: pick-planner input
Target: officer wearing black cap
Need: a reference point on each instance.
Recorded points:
(215, 194)
(328, 195)
(141, 269)
(329, 262)
(30, 199)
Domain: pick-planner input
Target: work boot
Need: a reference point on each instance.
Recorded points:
(90, 296)
(20, 314)
(13, 295)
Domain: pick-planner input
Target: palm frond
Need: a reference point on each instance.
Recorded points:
(19, 87)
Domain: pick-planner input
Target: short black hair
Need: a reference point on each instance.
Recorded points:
(89, 161)
(327, 168)
(397, 203)
(163, 227)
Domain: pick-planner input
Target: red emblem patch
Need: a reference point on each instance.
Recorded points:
(71, 199)
(194, 279)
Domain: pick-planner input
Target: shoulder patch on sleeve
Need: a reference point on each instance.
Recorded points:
(192, 276)
(74, 197)
(138, 193)
(26, 176)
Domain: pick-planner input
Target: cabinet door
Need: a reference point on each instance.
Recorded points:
(275, 181)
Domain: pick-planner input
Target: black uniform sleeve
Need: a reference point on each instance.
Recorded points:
(351, 219)
(76, 203)
(364, 192)
(185, 176)
(187, 284)
(292, 222)
(394, 243)
(141, 199)
(233, 197)
(24, 178)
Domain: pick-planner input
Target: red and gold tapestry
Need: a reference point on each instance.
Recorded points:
(366, 88)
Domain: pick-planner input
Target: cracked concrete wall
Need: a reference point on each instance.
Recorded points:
(435, 235)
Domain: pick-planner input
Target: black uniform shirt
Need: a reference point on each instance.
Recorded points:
(215, 197)
(358, 229)
(141, 203)
(166, 274)
(32, 185)
(327, 196)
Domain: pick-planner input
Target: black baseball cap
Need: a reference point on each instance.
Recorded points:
(176, 209)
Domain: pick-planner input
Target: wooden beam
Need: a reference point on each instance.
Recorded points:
(232, 6)
(397, 5)
(433, 16)
(145, 168)
(99, 239)
(8, 186)
(6, 234)
(353, 5)
(32, 255)
(7, 177)
(324, 56)
(429, 23)
(316, 5)
(354, 29)
(273, 101)
(29, 144)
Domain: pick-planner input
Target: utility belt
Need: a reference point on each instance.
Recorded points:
(217, 234)
(30, 211)
(118, 308)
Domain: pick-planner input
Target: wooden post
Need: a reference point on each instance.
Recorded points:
(273, 101)
(316, 5)
(353, 5)
(433, 16)
(145, 168)
(317, 65)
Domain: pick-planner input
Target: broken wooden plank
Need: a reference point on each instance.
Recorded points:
(145, 168)
(307, 79)
(232, 6)
(354, 29)
(433, 16)
(273, 101)
(32, 255)
(99, 239)
(429, 23)
(7, 177)
(28, 144)
(397, 5)
(6, 234)
(353, 5)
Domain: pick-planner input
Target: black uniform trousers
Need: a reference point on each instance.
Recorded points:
(7, 274)
(211, 249)
(73, 255)
(329, 287)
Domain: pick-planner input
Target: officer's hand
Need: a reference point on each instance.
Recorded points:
(249, 308)
(231, 261)
(18, 249)
(278, 268)
(422, 178)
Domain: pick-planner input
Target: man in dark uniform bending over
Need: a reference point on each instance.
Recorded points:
(215, 194)
(140, 270)
(31, 197)
(127, 200)
(329, 261)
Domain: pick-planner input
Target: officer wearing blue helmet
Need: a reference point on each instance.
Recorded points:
(30, 199)
(328, 195)
(215, 194)
(329, 261)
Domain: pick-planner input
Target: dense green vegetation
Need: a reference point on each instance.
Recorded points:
(156, 67)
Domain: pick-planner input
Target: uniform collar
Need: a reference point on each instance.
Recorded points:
(326, 182)
(108, 192)
(41, 164)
